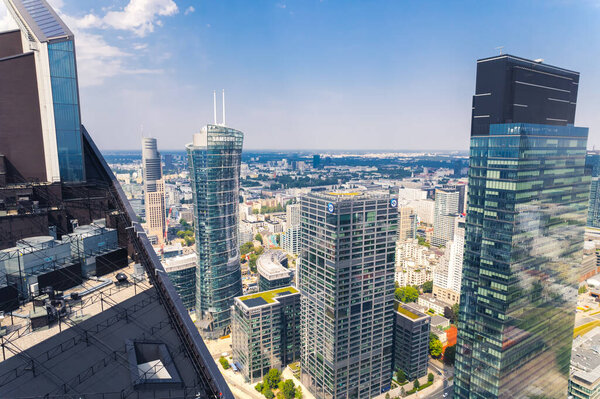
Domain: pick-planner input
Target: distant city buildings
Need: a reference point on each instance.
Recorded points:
(266, 331)
(414, 263)
(584, 381)
(524, 232)
(154, 189)
(214, 163)
(346, 272)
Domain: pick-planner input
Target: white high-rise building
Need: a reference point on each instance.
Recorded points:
(446, 211)
(448, 274)
(154, 189)
(425, 210)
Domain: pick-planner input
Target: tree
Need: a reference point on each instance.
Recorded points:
(224, 362)
(416, 384)
(430, 377)
(299, 393)
(289, 389)
(252, 262)
(428, 286)
(435, 347)
(400, 376)
(268, 393)
(582, 290)
(387, 396)
(455, 309)
(259, 387)
(258, 238)
(450, 355)
(273, 378)
(247, 247)
(407, 294)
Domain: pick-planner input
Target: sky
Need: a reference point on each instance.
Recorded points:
(310, 74)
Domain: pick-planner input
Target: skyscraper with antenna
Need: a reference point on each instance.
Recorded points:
(214, 163)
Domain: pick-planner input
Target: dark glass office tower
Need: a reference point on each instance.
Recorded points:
(214, 162)
(527, 206)
(592, 164)
(346, 280)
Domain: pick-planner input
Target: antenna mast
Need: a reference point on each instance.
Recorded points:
(499, 48)
(215, 105)
(223, 107)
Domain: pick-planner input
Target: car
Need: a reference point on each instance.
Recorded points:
(445, 395)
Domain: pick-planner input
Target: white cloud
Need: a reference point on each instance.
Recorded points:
(140, 16)
(189, 10)
(6, 20)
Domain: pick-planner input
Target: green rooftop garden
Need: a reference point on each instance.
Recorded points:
(405, 312)
(269, 295)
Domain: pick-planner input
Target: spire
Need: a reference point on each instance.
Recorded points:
(215, 105)
(223, 107)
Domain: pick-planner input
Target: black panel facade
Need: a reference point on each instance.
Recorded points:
(63, 278)
(513, 90)
(111, 261)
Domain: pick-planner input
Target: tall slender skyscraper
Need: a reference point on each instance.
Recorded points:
(525, 221)
(42, 65)
(154, 189)
(446, 211)
(346, 279)
(214, 162)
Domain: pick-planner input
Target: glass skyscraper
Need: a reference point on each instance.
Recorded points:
(58, 90)
(214, 164)
(527, 208)
(346, 280)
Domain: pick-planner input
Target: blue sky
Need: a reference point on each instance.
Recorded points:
(314, 74)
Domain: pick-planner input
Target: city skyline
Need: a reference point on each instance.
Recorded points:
(155, 63)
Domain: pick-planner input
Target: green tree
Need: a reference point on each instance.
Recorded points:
(407, 294)
(387, 396)
(400, 376)
(430, 377)
(268, 393)
(224, 362)
(416, 384)
(288, 388)
(259, 251)
(450, 355)
(258, 238)
(259, 387)
(435, 347)
(189, 241)
(273, 378)
(299, 393)
(247, 247)
(428, 286)
(252, 262)
(582, 290)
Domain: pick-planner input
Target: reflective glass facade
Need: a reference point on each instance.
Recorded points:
(214, 175)
(346, 278)
(65, 97)
(528, 196)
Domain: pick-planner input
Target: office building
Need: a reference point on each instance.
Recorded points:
(154, 190)
(272, 270)
(290, 239)
(593, 218)
(407, 223)
(425, 210)
(524, 230)
(411, 341)
(445, 213)
(346, 278)
(106, 337)
(265, 331)
(214, 162)
(181, 270)
(584, 382)
(448, 273)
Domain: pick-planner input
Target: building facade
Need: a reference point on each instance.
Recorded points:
(214, 163)
(266, 331)
(154, 190)
(272, 271)
(346, 278)
(448, 274)
(446, 211)
(525, 222)
(290, 239)
(411, 341)
(584, 382)
(181, 270)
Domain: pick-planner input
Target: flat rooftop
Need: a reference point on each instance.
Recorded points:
(410, 313)
(266, 297)
(585, 358)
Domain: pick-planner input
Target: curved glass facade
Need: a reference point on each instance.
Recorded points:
(63, 77)
(214, 164)
(527, 210)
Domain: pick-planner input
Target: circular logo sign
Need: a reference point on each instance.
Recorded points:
(330, 208)
(394, 203)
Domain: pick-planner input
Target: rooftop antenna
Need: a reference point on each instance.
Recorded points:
(223, 107)
(499, 48)
(215, 105)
